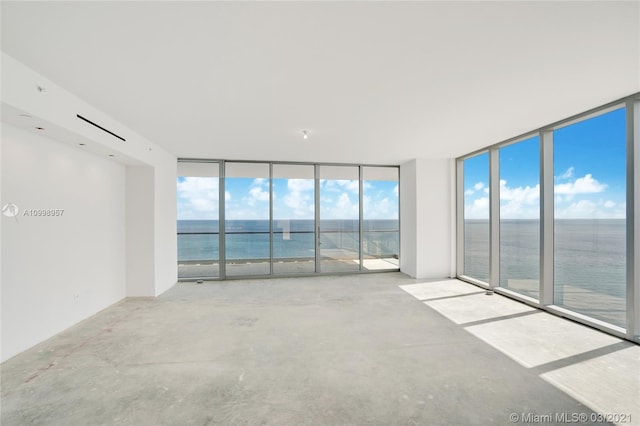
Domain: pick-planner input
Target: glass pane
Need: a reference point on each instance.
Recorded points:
(381, 237)
(520, 217)
(476, 217)
(590, 217)
(247, 247)
(198, 229)
(339, 219)
(294, 237)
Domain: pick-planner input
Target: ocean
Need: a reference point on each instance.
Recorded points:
(198, 240)
(589, 262)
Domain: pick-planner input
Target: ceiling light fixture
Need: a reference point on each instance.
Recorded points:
(305, 134)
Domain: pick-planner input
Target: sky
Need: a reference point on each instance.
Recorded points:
(589, 174)
(589, 182)
(248, 199)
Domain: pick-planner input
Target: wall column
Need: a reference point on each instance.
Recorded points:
(426, 218)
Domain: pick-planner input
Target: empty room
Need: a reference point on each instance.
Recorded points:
(319, 213)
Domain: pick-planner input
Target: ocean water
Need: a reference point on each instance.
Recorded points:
(589, 262)
(198, 240)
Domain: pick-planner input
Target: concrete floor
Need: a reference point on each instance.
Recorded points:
(378, 349)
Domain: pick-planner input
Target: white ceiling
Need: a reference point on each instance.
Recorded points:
(374, 82)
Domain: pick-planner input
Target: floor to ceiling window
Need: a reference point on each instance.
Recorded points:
(339, 218)
(381, 224)
(590, 217)
(567, 223)
(198, 226)
(241, 218)
(520, 217)
(247, 219)
(294, 236)
(476, 217)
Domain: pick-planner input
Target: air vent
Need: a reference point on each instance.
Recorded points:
(100, 127)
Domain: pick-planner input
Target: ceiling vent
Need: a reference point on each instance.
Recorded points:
(100, 127)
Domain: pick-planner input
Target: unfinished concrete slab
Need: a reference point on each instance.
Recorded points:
(350, 350)
(598, 369)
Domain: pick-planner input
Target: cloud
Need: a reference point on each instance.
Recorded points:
(380, 200)
(341, 208)
(299, 185)
(346, 208)
(190, 186)
(198, 198)
(567, 174)
(380, 208)
(519, 202)
(339, 185)
(300, 198)
(479, 186)
(302, 204)
(583, 185)
(250, 199)
(478, 209)
(574, 198)
(527, 195)
(257, 194)
(578, 210)
(260, 181)
(589, 209)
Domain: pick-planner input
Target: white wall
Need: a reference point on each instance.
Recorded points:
(140, 231)
(426, 218)
(165, 230)
(58, 108)
(1, 222)
(57, 271)
(151, 227)
(137, 186)
(408, 218)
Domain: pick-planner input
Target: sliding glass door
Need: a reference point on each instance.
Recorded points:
(339, 218)
(294, 236)
(247, 219)
(243, 218)
(381, 220)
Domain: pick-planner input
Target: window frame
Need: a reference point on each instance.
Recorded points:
(221, 209)
(545, 134)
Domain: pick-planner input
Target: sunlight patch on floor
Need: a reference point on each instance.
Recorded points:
(597, 369)
(477, 307)
(540, 338)
(605, 383)
(437, 289)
